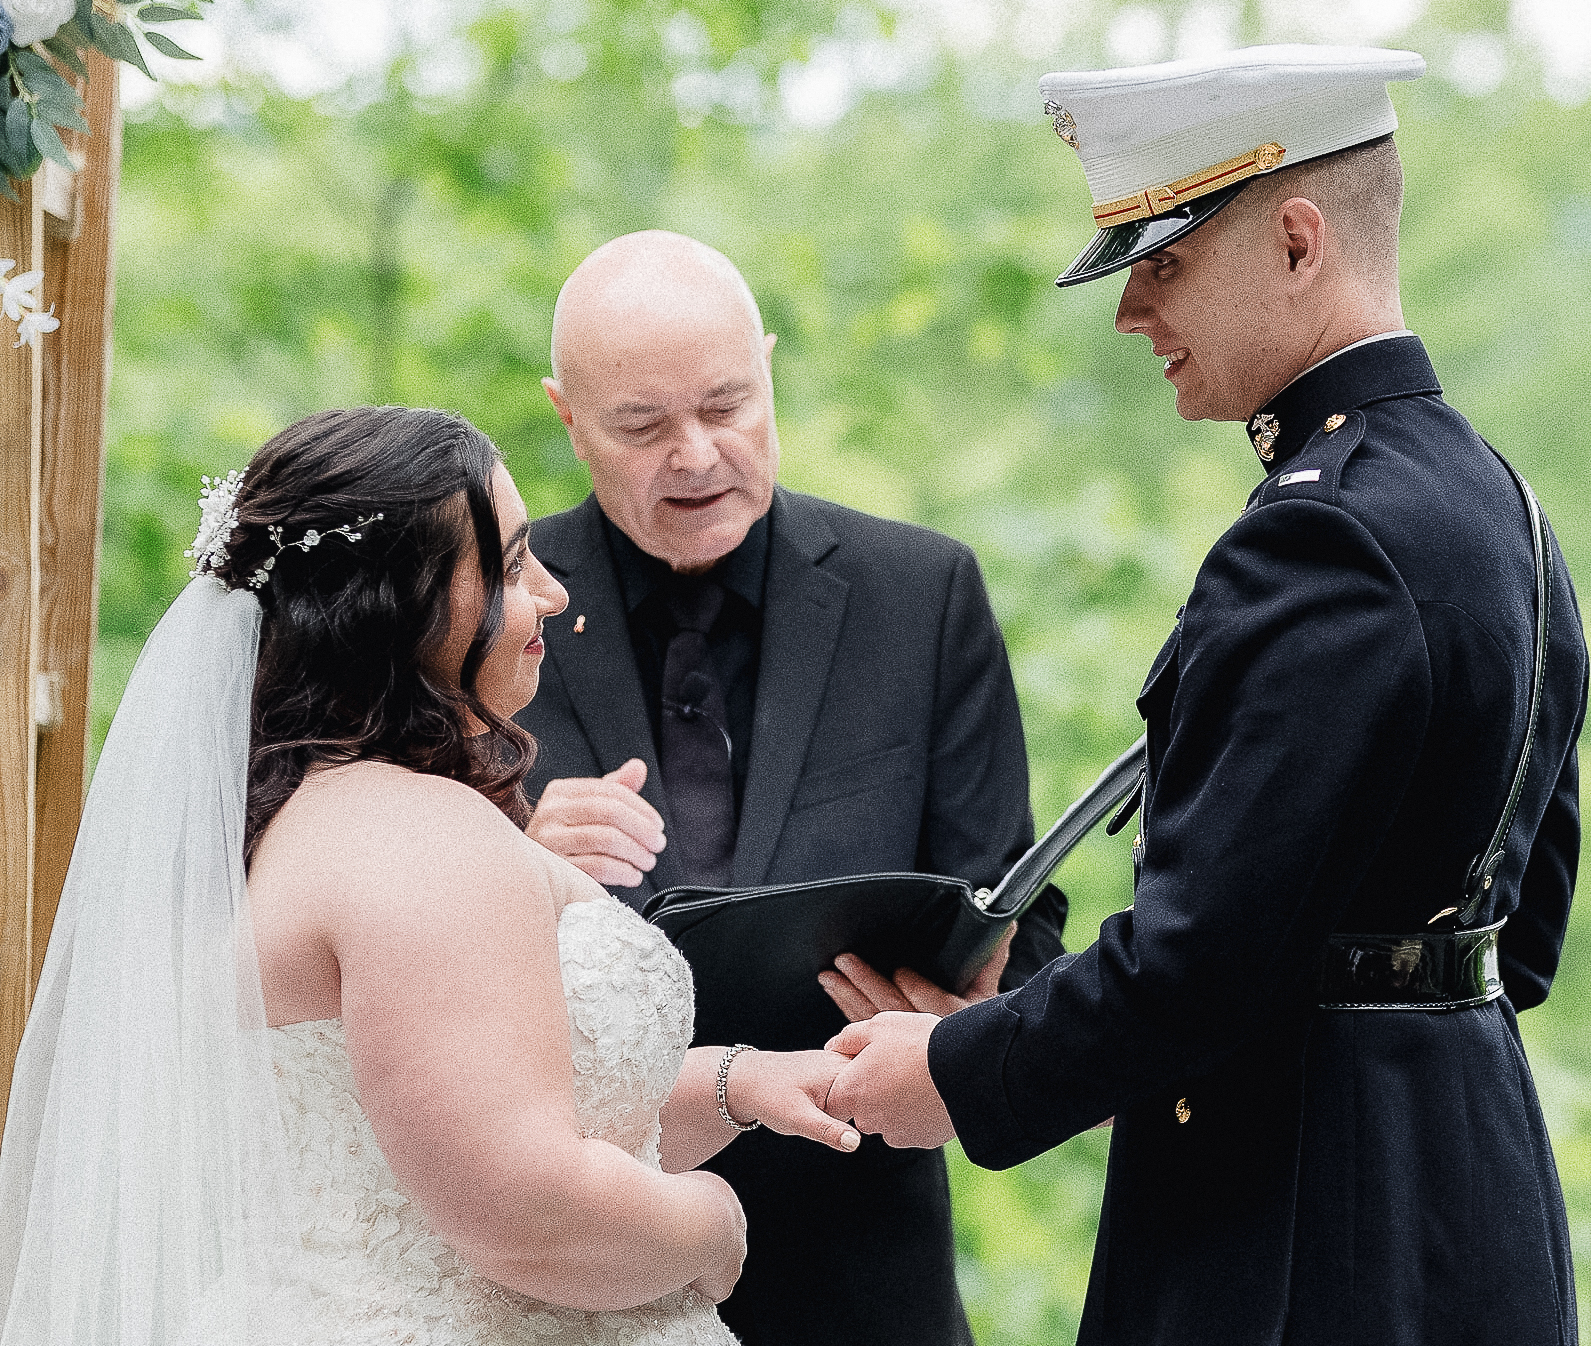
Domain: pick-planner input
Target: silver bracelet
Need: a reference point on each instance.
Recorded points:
(730, 1053)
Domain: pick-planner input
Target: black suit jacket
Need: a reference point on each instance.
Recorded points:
(1333, 729)
(886, 737)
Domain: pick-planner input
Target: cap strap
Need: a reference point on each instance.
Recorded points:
(1157, 200)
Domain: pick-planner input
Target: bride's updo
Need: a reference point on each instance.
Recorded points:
(354, 622)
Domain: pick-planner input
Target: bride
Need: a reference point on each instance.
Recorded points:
(418, 1080)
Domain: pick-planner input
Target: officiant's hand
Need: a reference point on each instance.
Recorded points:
(886, 1089)
(601, 825)
(862, 991)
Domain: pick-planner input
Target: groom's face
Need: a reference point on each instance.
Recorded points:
(671, 407)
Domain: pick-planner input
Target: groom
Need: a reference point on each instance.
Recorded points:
(1325, 1128)
(802, 691)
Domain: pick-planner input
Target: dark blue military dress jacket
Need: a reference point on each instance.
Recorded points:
(1333, 728)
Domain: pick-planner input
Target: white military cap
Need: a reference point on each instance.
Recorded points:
(1166, 146)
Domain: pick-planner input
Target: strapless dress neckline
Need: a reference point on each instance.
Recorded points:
(376, 1273)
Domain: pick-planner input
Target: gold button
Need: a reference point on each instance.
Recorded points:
(1334, 422)
(1266, 157)
(1183, 1111)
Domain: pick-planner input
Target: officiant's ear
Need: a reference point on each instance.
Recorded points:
(767, 346)
(560, 404)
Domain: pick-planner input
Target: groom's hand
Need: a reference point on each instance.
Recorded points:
(886, 1089)
(861, 991)
(602, 826)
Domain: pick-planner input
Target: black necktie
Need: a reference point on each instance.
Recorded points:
(695, 748)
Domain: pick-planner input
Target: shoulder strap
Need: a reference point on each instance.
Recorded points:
(1024, 879)
(1483, 869)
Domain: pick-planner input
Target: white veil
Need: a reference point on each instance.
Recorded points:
(143, 1193)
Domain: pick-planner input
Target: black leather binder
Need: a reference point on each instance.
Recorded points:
(755, 953)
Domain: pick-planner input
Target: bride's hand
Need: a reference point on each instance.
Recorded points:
(785, 1091)
(730, 1251)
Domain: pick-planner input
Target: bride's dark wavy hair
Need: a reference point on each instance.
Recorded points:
(353, 630)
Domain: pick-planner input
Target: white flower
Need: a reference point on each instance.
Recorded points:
(36, 20)
(218, 516)
(35, 325)
(18, 293)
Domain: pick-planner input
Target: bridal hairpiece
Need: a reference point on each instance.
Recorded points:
(218, 516)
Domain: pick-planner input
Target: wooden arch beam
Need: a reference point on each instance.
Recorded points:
(52, 472)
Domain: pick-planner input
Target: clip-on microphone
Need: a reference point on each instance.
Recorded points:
(695, 688)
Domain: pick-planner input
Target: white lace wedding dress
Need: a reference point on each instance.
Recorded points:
(378, 1275)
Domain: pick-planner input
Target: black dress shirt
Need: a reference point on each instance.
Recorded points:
(734, 643)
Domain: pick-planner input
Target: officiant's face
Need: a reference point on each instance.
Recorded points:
(668, 400)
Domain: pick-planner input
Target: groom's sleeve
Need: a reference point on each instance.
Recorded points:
(1299, 705)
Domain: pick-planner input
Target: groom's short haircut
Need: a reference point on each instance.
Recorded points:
(1360, 192)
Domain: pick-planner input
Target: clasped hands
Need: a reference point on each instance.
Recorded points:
(874, 1072)
(885, 1087)
(605, 828)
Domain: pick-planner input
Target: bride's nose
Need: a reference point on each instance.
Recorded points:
(551, 597)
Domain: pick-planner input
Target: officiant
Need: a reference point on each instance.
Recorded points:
(752, 686)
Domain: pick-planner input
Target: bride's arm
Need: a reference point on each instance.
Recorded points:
(444, 926)
(785, 1091)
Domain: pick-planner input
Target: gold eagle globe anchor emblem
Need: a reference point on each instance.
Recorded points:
(1065, 127)
(1263, 430)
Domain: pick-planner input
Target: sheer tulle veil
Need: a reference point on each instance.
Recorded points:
(143, 1181)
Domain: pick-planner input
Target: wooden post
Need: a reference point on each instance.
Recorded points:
(21, 433)
(52, 469)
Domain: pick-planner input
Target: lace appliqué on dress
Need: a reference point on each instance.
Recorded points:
(377, 1273)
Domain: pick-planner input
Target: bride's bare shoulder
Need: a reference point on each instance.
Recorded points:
(373, 829)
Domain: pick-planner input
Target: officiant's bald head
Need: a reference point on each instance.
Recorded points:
(661, 376)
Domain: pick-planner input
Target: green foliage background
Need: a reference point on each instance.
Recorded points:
(277, 256)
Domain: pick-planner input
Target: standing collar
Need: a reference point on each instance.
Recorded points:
(1373, 370)
(743, 571)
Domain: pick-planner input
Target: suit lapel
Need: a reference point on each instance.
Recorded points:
(597, 664)
(803, 610)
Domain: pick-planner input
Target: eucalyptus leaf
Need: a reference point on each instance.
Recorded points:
(33, 67)
(48, 143)
(19, 167)
(166, 47)
(17, 119)
(73, 120)
(165, 14)
(65, 51)
(47, 86)
(50, 89)
(85, 8)
(116, 41)
(60, 106)
(7, 191)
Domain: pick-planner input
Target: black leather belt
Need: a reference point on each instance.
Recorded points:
(1447, 970)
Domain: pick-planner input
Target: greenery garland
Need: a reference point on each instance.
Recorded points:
(41, 51)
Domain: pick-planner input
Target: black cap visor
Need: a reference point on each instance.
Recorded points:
(1119, 246)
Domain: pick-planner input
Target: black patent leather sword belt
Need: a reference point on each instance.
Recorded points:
(1453, 969)
(1447, 968)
